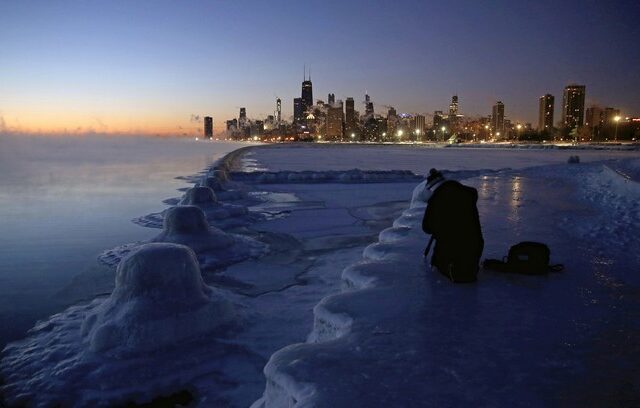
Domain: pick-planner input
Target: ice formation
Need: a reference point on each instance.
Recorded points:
(218, 213)
(329, 176)
(396, 324)
(294, 376)
(206, 199)
(100, 353)
(216, 184)
(187, 225)
(199, 195)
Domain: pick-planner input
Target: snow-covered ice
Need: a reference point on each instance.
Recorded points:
(401, 335)
(148, 338)
(344, 311)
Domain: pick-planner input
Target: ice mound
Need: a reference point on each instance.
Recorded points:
(199, 195)
(216, 184)
(187, 225)
(421, 195)
(219, 214)
(220, 175)
(207, 201)
(160, 315)
(213, 183)
(159, 299)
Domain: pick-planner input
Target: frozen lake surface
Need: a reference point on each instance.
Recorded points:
(341, 306)
(63, 200)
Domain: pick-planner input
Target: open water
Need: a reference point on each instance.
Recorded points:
(65, 199)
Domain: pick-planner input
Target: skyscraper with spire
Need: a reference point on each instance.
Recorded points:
(307, 90)
(368, 106)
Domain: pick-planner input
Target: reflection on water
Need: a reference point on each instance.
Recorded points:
(64, 200)
(515, 202)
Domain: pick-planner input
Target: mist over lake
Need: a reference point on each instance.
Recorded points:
(64, 199)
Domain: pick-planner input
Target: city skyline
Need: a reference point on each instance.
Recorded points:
(129, 68)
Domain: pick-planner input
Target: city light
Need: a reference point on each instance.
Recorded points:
(308, 123)
(616, 119)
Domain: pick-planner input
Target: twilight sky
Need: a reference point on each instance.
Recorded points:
(148, 66)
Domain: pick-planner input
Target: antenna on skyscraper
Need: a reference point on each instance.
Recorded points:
(304, 72)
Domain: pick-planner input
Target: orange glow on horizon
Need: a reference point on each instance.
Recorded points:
(68, 122)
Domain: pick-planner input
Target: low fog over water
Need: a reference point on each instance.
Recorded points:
(64, 199)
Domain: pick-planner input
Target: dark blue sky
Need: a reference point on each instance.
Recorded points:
(147, 66)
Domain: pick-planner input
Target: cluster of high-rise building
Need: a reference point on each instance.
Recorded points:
(335, 120)
(593, 124)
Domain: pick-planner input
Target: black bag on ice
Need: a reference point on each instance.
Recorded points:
(528, 258)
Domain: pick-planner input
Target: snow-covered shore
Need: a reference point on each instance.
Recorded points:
(400, 335)
(348, 301)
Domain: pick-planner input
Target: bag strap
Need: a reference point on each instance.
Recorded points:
(428, 248)
(556, 268)
(495, 264)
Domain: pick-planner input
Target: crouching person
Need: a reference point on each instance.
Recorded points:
(452, 219)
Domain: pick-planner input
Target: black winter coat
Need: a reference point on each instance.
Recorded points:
(452, 218)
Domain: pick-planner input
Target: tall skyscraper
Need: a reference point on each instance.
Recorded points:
(368, 109)
(593, 116)
(453, 113)
(208, 127)
(242, 120)
(418, 125)
(334, 121)
(332, 99)
(453, 107)
(278, 110)
(593, 120)
(350, 116)
(497, 118)
(573, 106)
(437, 120)
(307, 92)
(392, 122)
(298, 110)
(545, 116)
